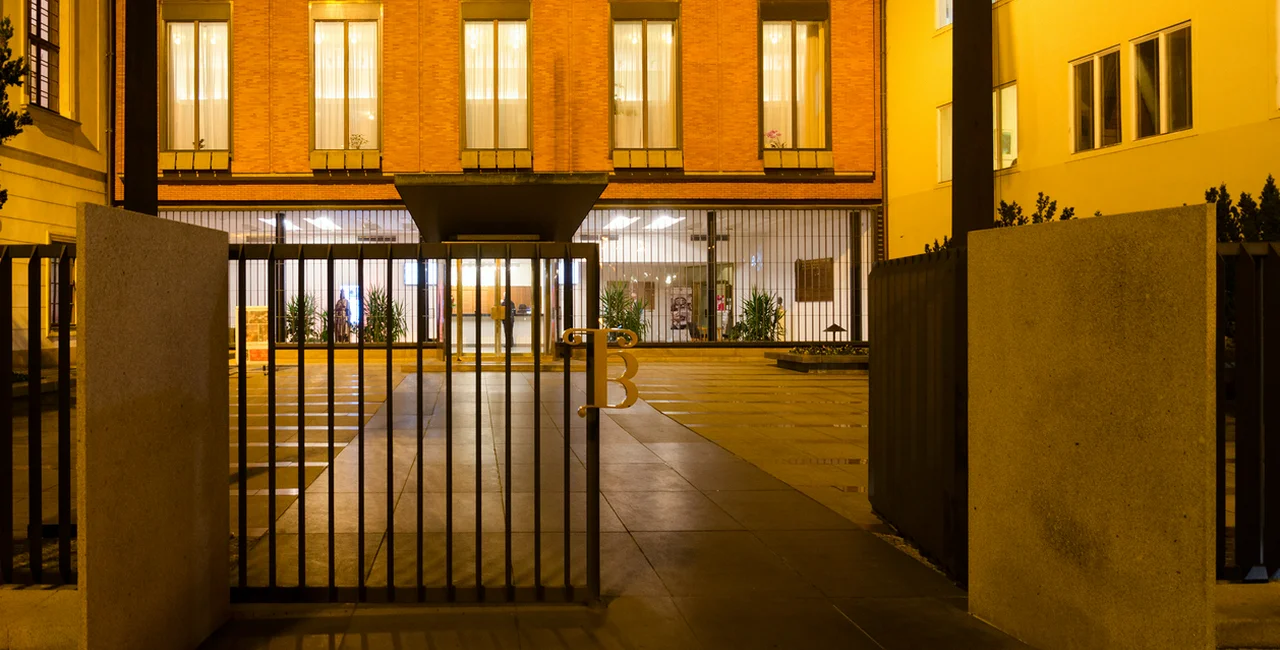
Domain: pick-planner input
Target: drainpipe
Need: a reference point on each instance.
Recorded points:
(112, 111)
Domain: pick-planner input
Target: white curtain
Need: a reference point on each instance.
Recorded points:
(478, 69)
(362, 85)
(776, 78)
(214, 87)
(628, 56)
(811, 86)
(513, 86)
(182, 86)
(1008, 126)
(330, 72)
(662, 85)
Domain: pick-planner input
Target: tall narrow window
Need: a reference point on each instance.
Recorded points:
(496, 70)
(944, 143)
(644, 84)
(1163, 82)
(945, 13)
(56, 317)
(198, 86)
(794, 84)
(1096, 101)
(1005, 111)
(42, 53)
(346, 84)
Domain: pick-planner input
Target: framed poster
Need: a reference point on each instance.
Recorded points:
(255, 335)
(681, 307)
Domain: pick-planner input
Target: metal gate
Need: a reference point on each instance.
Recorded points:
(399, 527)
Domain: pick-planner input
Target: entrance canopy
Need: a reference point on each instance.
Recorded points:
(546, 207)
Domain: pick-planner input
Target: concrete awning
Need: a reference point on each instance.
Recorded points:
(548, 207)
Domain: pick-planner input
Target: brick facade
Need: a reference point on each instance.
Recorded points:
(421, 69)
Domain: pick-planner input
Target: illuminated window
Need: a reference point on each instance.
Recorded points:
(644, 84)
(944, 143)
(794, 84)
(42, 53)
(1004, 102)
(198, 86)
(1096, 101)
(1162, 68)
(496, 72)
(346, 72)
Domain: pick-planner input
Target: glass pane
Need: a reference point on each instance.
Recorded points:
(362, 85)
(662, 85)
(945, 15)
(330, 73)
(1083, 122)
(1147, 67)
(182, 86)
(811, 86)
(214, 87)
(478, 70)
(1111, 99)
(1008, 126)
(944, 144)
(1180, 79)
(513, 86)
(775, 84)
(628, 79)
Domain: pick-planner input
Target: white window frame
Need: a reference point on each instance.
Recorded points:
(944, 13)
(1096, 59)
(997, 111)
(944, 144)
(1165, 87)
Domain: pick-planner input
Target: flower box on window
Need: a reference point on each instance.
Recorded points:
(182, 161)
(648, 159)
(793, 159)
(349, 160)
(496, 159)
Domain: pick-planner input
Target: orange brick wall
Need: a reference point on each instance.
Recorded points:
(570, 93)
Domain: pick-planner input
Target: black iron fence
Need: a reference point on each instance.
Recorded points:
(918, 450)
(36, 412)
(1248, 398)
(440, 488)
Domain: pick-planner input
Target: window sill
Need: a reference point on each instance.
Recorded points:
(339, 160)
(53, 124)
(797, 159)
(484, 159)
(200, 161)
(1132, 144)
(648, 159)
(1011, 169)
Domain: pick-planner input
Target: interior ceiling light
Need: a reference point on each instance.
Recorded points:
(619, 223)
(663, 222)
(288, 225)
(323, 223)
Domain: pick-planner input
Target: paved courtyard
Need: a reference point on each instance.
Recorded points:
(732, 515)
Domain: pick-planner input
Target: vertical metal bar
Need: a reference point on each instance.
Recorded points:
(593, 430)
(1220, 418)
(711, 276)
(64, 416)
(855, 300)
(389, 314)
(300, 332)
(1270, 403)
(333, 379)
(6, 420)
(510, 331)
(360, 589)
(1248, 415)
(448, 421)
(418, 433)
(480, 401)
(35, 487)
(242, 438)
(567, 282)
(273, 314)
(536, 344)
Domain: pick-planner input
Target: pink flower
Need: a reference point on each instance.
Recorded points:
(773, 135)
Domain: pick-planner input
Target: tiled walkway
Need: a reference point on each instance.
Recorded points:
(705, 545)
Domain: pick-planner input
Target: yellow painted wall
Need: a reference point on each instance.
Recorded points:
(60, 160)
(1235, 136)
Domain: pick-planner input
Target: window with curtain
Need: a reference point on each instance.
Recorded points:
(1162, 81)
(496, 80)
(42, 53)
(1096, 101)
(346, 84)
(793, 73)
(944, 143)
(644, 84)
(1005, 111)
(199, 86)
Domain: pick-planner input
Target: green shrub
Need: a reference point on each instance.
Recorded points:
(762, 318)
(300, 320)
(835, 349)
(618, 310)
(379, 309)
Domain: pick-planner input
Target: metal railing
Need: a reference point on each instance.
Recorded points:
(18, 430)
(1248, 413)
(326, 586)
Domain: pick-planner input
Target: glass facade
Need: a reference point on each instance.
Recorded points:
(691, 275)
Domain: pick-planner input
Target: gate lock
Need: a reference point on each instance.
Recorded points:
(597, 341)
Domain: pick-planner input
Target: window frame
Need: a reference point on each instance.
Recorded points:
(358, 12)
(163, 76)
(1166, 88)
(677, 64)
(52, 328)
(997, 114)
(803, 13)
(945, 143)
(1096, 60)
(502, 15)
(940, 10)
(36, 43)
